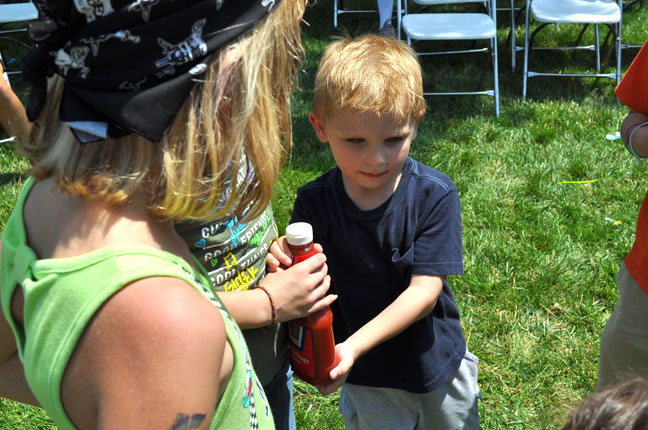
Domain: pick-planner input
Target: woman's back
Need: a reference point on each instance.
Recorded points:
(60, 226)
(140, 341)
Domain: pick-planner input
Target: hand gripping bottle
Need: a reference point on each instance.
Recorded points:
(312, 347)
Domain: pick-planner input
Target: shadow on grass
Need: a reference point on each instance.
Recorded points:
(11, 177)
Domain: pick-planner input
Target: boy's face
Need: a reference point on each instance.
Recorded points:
(370, 151)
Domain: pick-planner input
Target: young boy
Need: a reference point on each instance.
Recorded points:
(391, 230)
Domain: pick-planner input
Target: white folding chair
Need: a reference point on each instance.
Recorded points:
(455, 26)
(583, 12)
(15, 12)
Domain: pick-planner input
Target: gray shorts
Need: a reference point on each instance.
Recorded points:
(624, 342)
(451, 406)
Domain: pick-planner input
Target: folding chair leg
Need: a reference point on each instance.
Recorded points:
(335, 13)
(495, 73)
(598, 48)
(399, 17)
(513, 47)
(619, 26)
(525, 73)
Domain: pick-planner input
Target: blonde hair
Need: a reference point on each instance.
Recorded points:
(223, 151)
(369, 74)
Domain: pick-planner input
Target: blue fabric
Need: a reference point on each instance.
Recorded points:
(371, 256)
(279, 392)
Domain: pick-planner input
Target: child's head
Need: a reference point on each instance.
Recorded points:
(222, 144)
(368, 104)
(623, 406)
(369, 74)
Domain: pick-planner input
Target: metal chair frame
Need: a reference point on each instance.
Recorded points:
(15, 12)
(338, 9)
(582, 18)
(451, 23)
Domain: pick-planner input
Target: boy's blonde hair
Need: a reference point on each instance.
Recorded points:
(369, 74)
(224, 149)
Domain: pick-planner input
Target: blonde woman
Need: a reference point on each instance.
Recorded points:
(150, 112)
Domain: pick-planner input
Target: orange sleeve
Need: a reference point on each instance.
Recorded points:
(633, 88)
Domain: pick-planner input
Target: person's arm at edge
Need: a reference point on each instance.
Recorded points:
(640, 134)
(417, 301)
(13, 117)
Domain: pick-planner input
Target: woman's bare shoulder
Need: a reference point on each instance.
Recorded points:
(156, 349)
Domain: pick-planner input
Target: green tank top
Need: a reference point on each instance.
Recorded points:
(62, 295)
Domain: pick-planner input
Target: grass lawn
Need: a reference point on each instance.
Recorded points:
(540, 251)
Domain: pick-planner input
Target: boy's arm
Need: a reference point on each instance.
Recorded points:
(13, 117)
(417, 301)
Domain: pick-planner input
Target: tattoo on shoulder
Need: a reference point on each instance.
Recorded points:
(187, 422)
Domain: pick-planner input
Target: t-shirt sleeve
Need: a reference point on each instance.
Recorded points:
(633, 88)
(438, 248)
(300, 212)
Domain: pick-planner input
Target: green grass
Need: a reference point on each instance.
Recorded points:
(540, 255)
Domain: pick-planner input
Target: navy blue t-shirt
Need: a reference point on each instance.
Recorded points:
(371, 256)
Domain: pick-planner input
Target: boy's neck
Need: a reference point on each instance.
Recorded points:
(367, 200)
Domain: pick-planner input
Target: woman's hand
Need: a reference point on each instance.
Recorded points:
(299, 290)
(279, 254)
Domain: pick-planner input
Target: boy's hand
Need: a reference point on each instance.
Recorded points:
(279, 255)
(300, 290)
(345, 358)
(411, 305)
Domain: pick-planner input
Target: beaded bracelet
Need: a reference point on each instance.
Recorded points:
(629, 146)
(272, 305)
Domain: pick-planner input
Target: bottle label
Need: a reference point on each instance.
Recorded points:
(301, 349)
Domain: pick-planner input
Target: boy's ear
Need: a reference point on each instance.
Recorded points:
(318, 125)
(418, 121)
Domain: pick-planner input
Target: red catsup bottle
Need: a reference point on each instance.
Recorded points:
(312, 347)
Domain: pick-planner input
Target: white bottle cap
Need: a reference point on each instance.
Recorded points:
(299, 233)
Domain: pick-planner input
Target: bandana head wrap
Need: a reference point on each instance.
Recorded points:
(128, 65)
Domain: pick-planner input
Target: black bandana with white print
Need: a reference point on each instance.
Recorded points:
(129, 65)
